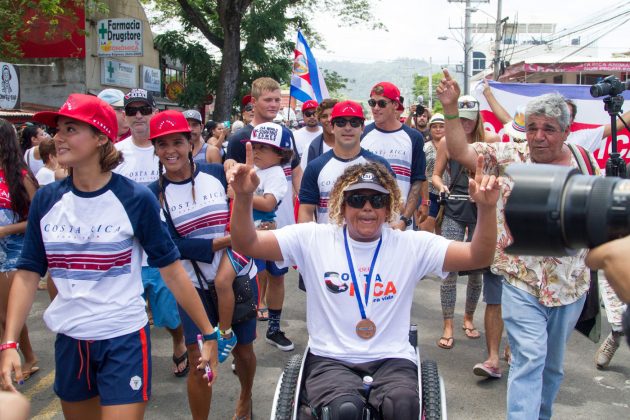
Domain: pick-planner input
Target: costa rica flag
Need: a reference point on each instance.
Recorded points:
(307, 81)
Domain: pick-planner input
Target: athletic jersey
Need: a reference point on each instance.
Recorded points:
(403, 149)
(200, 157)
(197, 221)
(303, 138)
(140, 163)
(332, 311)
(91, 242)
(322, 173)
(272, 181)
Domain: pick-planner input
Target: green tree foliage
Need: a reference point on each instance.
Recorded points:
(421, 87)
(335, 82)
(256, 37)
(19, 17)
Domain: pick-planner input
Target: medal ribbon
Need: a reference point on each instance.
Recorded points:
(368, 279)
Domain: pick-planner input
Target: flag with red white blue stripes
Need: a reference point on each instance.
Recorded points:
(307, 81)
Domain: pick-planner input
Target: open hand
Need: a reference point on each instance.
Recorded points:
(242, 177)
(209, 354)
(448, 90)
(484, 189)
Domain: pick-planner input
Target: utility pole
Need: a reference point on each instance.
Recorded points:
(467, 48)
(497, 42)
(431, 84)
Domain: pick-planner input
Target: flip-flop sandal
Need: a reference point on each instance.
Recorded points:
(446, 346)
(470, 333)
(27, 375)
(179, 360)
(262, 314)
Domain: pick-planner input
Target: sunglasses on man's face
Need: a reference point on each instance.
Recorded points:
(249, 107)
(131, 111)
(309, 113)
(467, 104)
(382, 103)
(377, 201)
(342, 122)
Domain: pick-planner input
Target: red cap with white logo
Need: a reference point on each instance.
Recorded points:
(347, 109)
(310, 104)
(168, 122)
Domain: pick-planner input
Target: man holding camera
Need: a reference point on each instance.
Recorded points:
(418, 118)
(542, 297)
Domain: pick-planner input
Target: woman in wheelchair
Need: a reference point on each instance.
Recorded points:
(360, 277)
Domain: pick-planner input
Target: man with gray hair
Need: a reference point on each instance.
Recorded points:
(542, 297)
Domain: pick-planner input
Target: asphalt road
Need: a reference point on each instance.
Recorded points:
(586, 393)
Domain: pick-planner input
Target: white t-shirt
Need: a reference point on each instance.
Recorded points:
(303, 139)
(588, 138)
(305, 158)
(34, 164)
(140, 163)
(272, 181)
(45, 176)
(332, 311)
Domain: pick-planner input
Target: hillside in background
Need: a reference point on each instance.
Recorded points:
(362, 76)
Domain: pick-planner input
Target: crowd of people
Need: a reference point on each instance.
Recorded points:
(129, 214)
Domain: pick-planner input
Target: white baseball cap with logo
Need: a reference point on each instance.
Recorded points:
(271, 134)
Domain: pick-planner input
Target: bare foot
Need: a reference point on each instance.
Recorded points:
(243, 409)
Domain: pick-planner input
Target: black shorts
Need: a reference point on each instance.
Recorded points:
(327, 379)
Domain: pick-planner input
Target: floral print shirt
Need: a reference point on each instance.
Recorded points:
(554, 281)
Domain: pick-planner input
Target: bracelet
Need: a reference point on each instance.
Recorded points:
(226, 332)
(213, 336)
(451, 117)
(9, 345)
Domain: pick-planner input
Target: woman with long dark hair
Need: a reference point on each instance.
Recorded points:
(30, 137)
(17, 188)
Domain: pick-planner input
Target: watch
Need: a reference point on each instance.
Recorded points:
(407, 220)
(9, 345)
(213, 336)
(225, 332)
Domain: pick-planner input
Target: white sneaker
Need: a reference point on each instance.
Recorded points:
(606, 351)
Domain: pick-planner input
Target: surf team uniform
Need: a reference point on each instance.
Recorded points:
(92, 244)
(198, 222)
(141, 165)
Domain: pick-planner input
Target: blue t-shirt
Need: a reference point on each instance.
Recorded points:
(322, 173)
(92, 244)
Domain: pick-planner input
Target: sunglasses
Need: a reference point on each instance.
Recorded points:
(342, 122)
(377, 201)
(131, 111)
(382, 103)
(249, 107)
(308, 113)
(468, 104)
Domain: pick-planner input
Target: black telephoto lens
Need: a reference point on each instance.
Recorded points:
(554, 210)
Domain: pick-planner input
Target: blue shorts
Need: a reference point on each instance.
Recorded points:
(492, 288)
(434, 208)
(245, 331)
(162, 302)
(118, 370)
(271, 267)
(10, 250)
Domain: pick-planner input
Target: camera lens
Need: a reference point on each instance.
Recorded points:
(554, 210)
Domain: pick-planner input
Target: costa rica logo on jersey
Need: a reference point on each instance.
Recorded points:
(334, 283)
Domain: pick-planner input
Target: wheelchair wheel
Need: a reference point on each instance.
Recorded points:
(286, 397)
(431, 398)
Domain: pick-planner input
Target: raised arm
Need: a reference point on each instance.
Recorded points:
(495, 106)
(620, 126)
(458, 148)
(245, 238)
(440, 167)
(478, 253)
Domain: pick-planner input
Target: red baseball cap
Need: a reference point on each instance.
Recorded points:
(85, 108)
(390, 91)
(168, 122)
(347, 109)
(247, 99)
(309, 104)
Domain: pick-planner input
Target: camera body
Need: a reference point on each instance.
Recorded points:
(420, 110)
(610, 86)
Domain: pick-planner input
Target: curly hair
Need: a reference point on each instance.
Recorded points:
(336, 204)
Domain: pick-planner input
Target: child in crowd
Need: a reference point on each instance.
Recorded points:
(51, 171)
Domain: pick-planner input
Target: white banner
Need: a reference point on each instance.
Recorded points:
(119, 37)
(118, 73)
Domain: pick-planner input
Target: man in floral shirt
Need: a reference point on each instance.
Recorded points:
(542, 297)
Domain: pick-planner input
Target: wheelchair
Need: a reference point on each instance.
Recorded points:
(286, 399)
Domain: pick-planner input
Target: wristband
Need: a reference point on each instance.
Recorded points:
(226, 332)
(407, 220)
(9, 345)
(451, 117)
(213, 336)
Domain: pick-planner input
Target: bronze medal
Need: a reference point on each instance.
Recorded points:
(366, 329)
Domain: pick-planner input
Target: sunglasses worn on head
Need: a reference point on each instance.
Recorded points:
(382, 103)
(342, 122)
(309, 113)
(377, 201)
(131, 111)
(468, 104)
